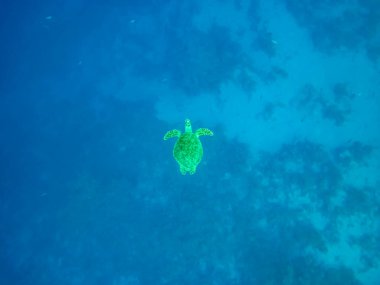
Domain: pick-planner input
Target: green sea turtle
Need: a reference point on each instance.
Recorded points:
(188, 150)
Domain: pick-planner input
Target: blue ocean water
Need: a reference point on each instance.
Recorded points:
(287, 191)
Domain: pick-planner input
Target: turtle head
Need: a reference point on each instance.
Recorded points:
(188, 126)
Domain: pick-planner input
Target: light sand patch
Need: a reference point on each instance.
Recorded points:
(240, 115)
(345, 252)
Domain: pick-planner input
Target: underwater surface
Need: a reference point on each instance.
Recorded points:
(287, 190)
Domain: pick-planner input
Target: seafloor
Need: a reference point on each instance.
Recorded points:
(288, 188)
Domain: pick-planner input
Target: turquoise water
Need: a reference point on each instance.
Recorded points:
(287, 191)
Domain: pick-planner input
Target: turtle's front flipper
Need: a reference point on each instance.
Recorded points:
(172, 134)
(203, 132)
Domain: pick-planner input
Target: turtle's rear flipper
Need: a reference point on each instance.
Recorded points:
(172, 134)
(204, 132)
(182, 170)
(192, 170)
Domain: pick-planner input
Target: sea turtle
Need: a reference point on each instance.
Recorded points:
(188, 150)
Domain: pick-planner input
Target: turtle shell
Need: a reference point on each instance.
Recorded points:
(188, 151)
